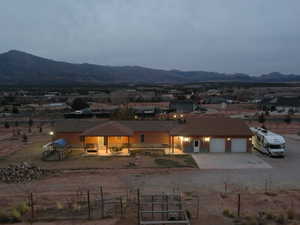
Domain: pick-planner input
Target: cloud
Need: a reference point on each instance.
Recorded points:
(226, 36)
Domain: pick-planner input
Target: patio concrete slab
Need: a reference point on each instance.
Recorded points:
(230, 161)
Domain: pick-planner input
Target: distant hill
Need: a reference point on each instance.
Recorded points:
(20, 68)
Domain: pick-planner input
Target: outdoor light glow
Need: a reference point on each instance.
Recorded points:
(186, 139)
(181, 115)
(174, 116)
(250, 139)
(51, 133)
(228, 139)
(207, 139)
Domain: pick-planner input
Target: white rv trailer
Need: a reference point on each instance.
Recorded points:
(268, 142)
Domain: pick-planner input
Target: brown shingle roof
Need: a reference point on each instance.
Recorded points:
(76, 125)
(193, 127)
(212, 127)
(150, 125)
(111, 128)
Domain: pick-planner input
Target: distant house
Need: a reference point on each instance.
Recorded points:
(104, 137)
(184, 106)
(281, 103)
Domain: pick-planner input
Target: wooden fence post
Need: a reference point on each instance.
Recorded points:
(180, 201)
(198, 206)
(167, 205)
(102, 202)
(89, 204)
(139, 206)
(239, 205)
(152, 207)
(32, 206)
(121, 205)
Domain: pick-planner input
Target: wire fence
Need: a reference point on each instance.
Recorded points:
(99, 204)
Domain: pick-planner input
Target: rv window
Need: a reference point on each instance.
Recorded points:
(275, 146)
(258, 138)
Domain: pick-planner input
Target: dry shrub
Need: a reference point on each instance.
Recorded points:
(228, 213)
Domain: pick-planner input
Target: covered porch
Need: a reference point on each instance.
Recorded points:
(106, 145)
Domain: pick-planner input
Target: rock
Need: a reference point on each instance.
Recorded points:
(22, 173)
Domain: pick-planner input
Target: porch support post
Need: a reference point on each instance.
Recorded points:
(106, 143)
(83, 142)
(170, 143)
(128, 142)
(173, 144)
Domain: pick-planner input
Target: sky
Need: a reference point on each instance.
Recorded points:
(245, 36)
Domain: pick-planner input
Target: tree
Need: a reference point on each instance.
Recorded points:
(267, 113)
(41, 128)
(123, 114)
(288, 119)
(273, 108)
(30, 122)
(6, 124)
(261, 118)
(15, 110)
(291, 111)
(79, 103)
(24, 138)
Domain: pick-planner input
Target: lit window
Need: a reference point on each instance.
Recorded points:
(207, 139)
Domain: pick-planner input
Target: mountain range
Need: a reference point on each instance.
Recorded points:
(21, 68)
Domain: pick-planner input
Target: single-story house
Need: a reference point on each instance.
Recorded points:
(193, 135)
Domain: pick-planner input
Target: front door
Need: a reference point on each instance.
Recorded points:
(196, 146)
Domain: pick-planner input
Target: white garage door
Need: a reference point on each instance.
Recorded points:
(217, 145)
(238, 145)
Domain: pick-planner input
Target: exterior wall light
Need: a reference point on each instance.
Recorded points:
(174, 116)
(181, 115)
(51, 133)
(250, 139)
(228, 139)
(207, 139)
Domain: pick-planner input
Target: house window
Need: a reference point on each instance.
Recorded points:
(142, 138)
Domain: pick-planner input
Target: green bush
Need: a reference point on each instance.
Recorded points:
(228, 213)
(15, 215)
(59, 205)
(22, 208)
(167, 163)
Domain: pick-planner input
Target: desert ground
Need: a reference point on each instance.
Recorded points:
(272, 192)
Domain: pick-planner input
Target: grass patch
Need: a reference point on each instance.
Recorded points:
(167, 163)
(189, 161)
